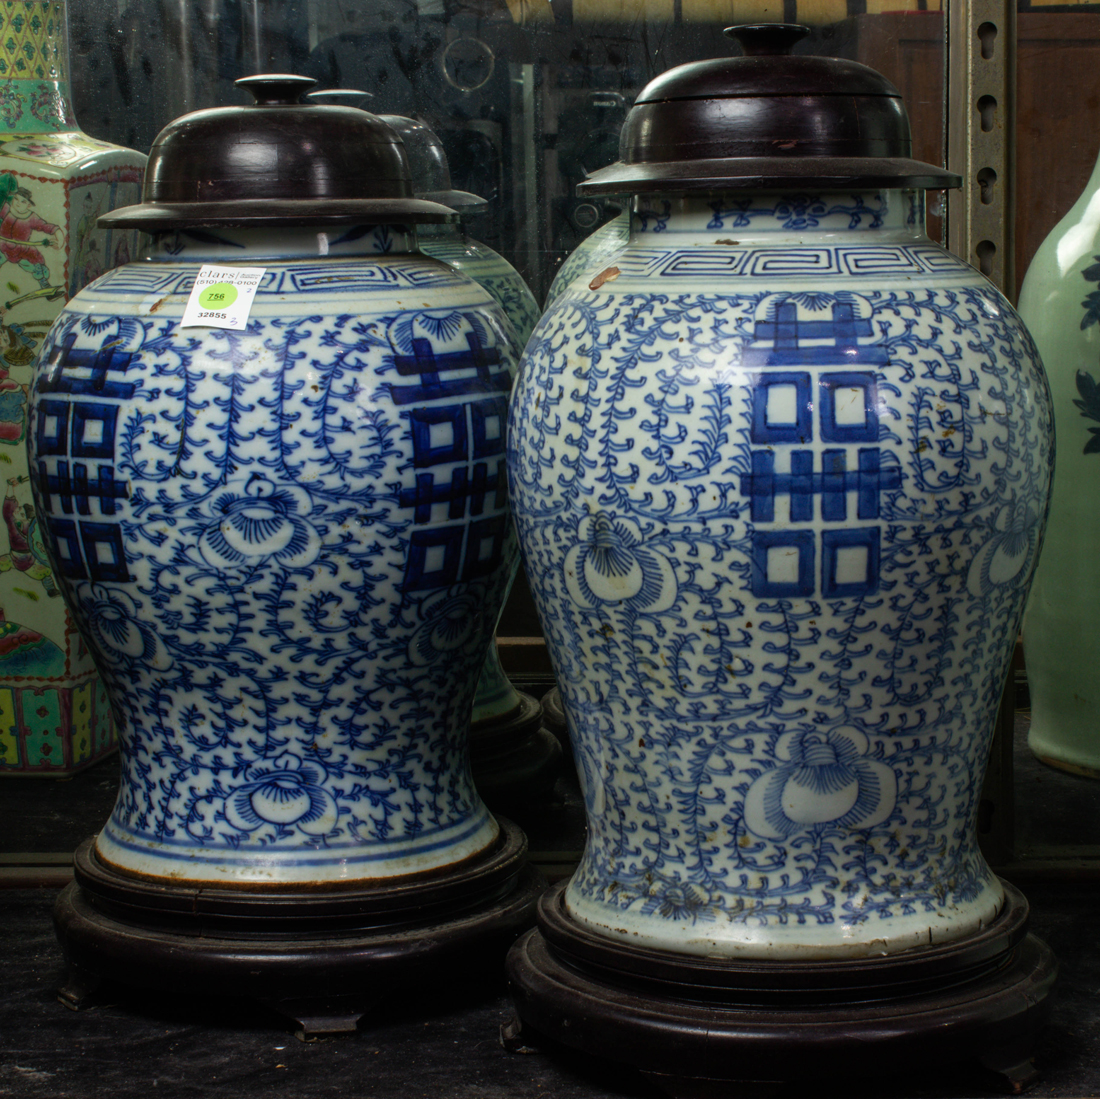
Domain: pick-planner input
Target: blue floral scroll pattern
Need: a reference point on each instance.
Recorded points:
(1091, 303)
(797, 212)
(1089, 406)
(704, 703)
(490, 271)
(517, 301)
(282, 683)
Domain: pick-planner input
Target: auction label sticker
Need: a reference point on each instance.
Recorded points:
(222, 297)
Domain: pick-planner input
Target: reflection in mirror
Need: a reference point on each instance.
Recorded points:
(527, 95)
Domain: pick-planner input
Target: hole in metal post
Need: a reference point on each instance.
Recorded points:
(987, 108)
(986, 178)
(986, 250)
(987, 35)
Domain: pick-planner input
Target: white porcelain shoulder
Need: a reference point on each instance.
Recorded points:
(594, 254)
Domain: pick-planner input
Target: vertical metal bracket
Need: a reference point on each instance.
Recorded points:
(981, 147)
(529, 200)
(981, 136)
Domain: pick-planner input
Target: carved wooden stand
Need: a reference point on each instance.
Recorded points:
(694, 1025)
(322, 957)
(515, 759)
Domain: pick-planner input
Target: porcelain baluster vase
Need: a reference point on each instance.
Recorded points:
(287, 545)
(1060, 301)
(728, 594)
(201, 575)
(54, 182)
(515, 759)
(780, 481)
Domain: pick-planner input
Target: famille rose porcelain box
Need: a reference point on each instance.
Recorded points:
(55, 181)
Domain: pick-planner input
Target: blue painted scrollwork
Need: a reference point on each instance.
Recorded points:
(288, 546)
(779, 542)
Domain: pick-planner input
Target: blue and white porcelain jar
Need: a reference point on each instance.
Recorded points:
(477, 261)
(286, 545)
(496, 699)
(780, 480)
(451, 241)
(514, 758)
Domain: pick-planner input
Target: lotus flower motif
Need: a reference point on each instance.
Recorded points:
(680, 900)
(823, 779)
(1005, 557)
(286, 791)
(257, 521)
(610, 564)
(452, 623)
(112, 619)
